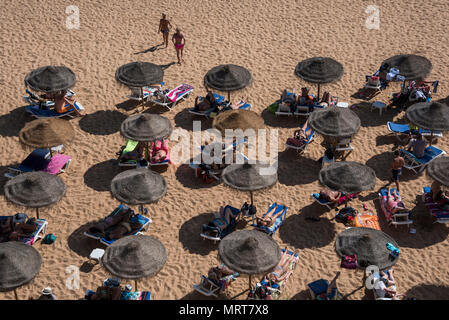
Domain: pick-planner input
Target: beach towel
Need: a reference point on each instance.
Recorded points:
(56, 163)
(178, 91)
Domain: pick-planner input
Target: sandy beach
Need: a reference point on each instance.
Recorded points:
(268, 38)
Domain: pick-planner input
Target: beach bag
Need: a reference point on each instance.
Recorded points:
(349, 262)
(345, 215)
(295, 142)
(49, 238)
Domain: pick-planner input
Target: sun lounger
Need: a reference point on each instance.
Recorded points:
(218, 99)
(274, 209)
(303, 110)
(404, 129)
(41, 230)
(129, 147)
(413, 163)
(52, 113)
(303, 147)
(399, 218)
(211, 231)
(341, 200)
(39, 160)
(376, 277)
(159, 145)
(211, 287)
(275, 289)
(441, 215)
(125, 295)
(144, 221)
(282, 109)
(171, 98)
(148, 92)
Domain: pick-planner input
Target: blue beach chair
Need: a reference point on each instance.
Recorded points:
(273, 210)
(413, 163)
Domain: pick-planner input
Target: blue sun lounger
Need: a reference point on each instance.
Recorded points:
(212, 230)
(218, 99)
(413, 163)
(144, 221)
(399, 128)
(125, 295)
(304, 146)
(277, 208)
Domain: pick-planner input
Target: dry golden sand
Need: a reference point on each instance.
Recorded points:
(268, 38)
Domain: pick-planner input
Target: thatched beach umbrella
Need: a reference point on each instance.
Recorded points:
(319, 70)
(411, 66)
(35, 189)
(348, 177)
(238, 119)
(433, 116)
(138, 187)
(134, 257)
(250, 177)
(228, 77)
(46, 133)
(335, 122)
(370, 246)
(249, 252)
(19, 265)
(146, 128)
(50, 79)
(139, 74)
(438, 170)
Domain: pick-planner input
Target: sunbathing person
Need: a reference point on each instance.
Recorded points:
(330, 196)
(136, 154)
(418, 146)
(268, 219)
(218, 273)
(124, 227)
(159, 151)
(287, 102)
(281, 271)
(435, 190)
(228, 215)
(394, 203)
(101, 227)
(23, 229)
(300, 136)
(205, 104)
(238, 105)
(383, 287)
(64, 104)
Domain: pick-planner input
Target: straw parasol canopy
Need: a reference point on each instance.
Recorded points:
(370, 246)
(438, 170)
(319, 70)
(20, 263)
(134, 257)
(46, 133)
(139, 74)
(238, 119)
(249, 252)
(429, 115)
(411, 66)
(249, 177)
(228, 77)
(35, 189)
(335, 122)
(50, 79)
(146, 127)
(138, 186)
(347, 176)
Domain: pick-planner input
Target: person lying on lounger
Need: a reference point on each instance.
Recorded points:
(126, 226)
(330, 196)
(394, 203)
(227, 215)
(383, 287)
(218, 273)
(268, 219)
(281, 271)
(207, 103)
(300, 136)
(102, 226)
(136, 154)
(64, 104)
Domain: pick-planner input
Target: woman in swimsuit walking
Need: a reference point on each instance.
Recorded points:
(164, 27)
(179, 41)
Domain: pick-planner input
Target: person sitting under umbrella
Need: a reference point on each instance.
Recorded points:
(305, 99)
(207, 103)
(159, 151)
(418, 146)
(287, 102)
(300, 136)
(330, 196)
(384, 286)
(221, 275)
(64, 103)
(136, 154)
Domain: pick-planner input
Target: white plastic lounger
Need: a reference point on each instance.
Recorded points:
(171, 98)
(400, 218)
(136, 93)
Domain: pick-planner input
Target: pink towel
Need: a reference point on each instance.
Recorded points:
(177, 92)
(57, 162)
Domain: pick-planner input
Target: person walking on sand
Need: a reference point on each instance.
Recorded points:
(164, 27)
(396, 167)
(179, 41)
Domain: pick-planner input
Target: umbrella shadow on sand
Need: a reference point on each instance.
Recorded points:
(428, 292)
(290, 170)
(184, 120)
(186, 176)
(189, 235)
(303, 233)
(100, 175)
(103, 122)
(273, 120)
(12, 122)
(370, 118)
(381, 164)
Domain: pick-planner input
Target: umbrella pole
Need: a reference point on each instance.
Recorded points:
(147, 152)
(135, 285)
(229, 96)
(252, 197)
(143, 101)
(15, 294)
(346, 201)
(249, 288)
(431, 137)
(318, 95)
(37, 213)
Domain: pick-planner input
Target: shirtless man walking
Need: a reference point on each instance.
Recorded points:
(396, 167)
(164, 27)
(179, 41)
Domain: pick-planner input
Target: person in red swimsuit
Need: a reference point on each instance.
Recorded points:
(179, 41)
